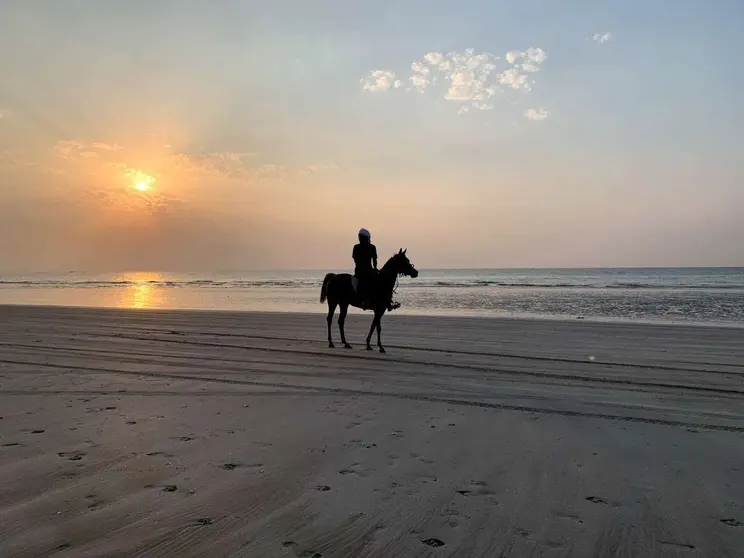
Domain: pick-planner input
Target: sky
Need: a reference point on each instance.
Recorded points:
(183, 135)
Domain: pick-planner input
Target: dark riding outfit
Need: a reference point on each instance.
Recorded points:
(365, 260)
(365, 270)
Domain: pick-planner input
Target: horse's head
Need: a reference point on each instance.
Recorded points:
(403, 265)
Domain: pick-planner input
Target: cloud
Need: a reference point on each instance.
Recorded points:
(219, 164)
(380, 80)
(536, 114)
(471, 79)
(601, 38)
(106, 146)
(320, 167)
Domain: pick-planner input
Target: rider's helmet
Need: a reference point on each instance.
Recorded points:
(364, 233)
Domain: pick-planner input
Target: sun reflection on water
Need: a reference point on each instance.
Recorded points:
(141, 293)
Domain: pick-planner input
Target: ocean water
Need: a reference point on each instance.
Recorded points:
(689, 295)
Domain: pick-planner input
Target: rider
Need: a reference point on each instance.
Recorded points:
(365, 260)
(365, 270)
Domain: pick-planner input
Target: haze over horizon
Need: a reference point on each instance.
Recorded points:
(187, 136)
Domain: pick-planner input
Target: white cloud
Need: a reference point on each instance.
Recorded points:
(471, 78)
(434, 58)
(601, 38)
(380, 80)
(536, 114)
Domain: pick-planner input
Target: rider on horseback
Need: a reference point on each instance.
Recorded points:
(365, 270)
(365, 260)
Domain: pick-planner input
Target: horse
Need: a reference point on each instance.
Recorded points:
(338, 290)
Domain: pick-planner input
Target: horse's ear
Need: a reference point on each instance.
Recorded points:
(404, 251)
(400, 251)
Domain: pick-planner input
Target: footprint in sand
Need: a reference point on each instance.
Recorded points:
(476, 488)
(350, 472)
(159, 453)
(295, 549)
(95, 504)
(596, 500)
(72, 455)
(681, 546)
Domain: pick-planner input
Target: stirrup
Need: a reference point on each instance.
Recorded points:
(393, 306)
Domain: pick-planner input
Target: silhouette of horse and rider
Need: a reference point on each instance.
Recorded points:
(368, 289)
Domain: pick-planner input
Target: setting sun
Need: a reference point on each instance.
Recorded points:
(140, 181)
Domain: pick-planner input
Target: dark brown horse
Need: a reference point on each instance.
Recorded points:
(338, 290)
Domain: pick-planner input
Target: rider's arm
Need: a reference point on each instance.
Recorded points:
(374, 257)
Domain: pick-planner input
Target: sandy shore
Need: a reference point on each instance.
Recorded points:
(134, 433)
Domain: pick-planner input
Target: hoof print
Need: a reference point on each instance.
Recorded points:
(322, 488)
(433, 542)
(170, 488)
(229, 466)
(205, 521)
(731, 522)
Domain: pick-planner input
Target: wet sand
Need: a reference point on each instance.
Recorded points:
(191, 434)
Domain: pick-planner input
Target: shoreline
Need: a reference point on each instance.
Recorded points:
(215, 433)
(398, 315)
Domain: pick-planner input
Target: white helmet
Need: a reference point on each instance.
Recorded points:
(364, 232)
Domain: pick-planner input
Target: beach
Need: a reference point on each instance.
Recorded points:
(198, 433)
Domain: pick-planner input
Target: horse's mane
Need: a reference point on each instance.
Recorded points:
(391, 261)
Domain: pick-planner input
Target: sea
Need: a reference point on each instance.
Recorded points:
(713, 296)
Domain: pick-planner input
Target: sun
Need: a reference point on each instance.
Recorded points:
(140, 181)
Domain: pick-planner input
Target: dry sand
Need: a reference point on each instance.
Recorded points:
(134, 433)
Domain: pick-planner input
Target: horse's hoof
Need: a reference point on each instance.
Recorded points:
(347, 346)
(382, 349)
(369, 348)
(331, 346)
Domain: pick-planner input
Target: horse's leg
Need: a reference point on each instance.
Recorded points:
(378, 319)
(344, 308)
(329, 319)
(371, 330)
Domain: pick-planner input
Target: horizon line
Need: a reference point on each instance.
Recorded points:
(326, 270)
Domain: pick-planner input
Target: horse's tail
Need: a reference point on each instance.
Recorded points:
(324, 288)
